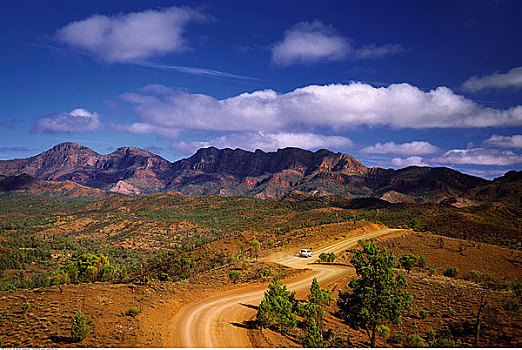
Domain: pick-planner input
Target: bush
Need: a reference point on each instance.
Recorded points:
(79, 329)
(431, 271)
(443, 343)
(430, 334)
(164, 277)
(451, 272)
(414, 341)
(421, 262)
(271, 243)
(408, 261)
(327, 257)
(384, 332)
(423, 313)
(133, 311)
(234, 276)
(25, 306)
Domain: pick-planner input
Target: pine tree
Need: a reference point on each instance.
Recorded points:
(377, 296)
(276, 310)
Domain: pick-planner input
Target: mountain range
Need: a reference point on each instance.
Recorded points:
(226, 172)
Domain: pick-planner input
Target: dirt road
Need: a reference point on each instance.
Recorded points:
(217, 321)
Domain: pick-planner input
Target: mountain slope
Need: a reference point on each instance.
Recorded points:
(133, 171)
(28, 184)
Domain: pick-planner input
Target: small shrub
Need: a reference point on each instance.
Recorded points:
(25, 306)
(271, 243)
(10, 287)
(421, 262)
(451, 272)
(430, 334)
(431, 271)
(443, 343)
(327, 257)
(234, 276)
(384, 332)
(423, 313)
(133, 311)
(414, 341)
(475, 276)
(79, 329)
(164, 277)
(408, 261)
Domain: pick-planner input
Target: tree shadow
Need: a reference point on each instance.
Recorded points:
(245, 324)
(60, 339)
(249, 306)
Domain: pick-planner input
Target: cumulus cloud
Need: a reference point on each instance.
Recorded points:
(78, 120)
(333, 106)
(479, 156)
(410, 161)
(311, 42)
(514, 141)
(131, 37)
(268, 142)
(513, 79)
(404, 149)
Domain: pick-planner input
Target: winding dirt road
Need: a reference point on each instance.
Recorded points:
(217, 321)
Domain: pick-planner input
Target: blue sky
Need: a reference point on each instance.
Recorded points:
(393, 83)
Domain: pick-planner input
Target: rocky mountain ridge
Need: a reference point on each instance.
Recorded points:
(133, 171)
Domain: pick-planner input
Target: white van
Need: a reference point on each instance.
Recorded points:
(305, 253)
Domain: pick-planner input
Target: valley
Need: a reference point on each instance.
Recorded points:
(148, 270)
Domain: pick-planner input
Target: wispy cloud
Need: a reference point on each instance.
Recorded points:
(9, 123)
(511, 79)
(4, 150)
(373, 51)
(404, 149)
(197, 71)
(312, 42)
(514, 141)
(78, 120)
(479, 156)
(133, 36)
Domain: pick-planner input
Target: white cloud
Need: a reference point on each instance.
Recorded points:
(514, 141)
(268, 142)
(131, 37)
(309, 42)
(78, 120)
(333, 106)
(410, 161)
(404, 149)
(513, 78)
(479, 156)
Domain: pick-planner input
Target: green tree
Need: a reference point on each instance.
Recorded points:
(313, 336)
(277, 309)
(376, 297)
(408, 261)
(313, 315)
